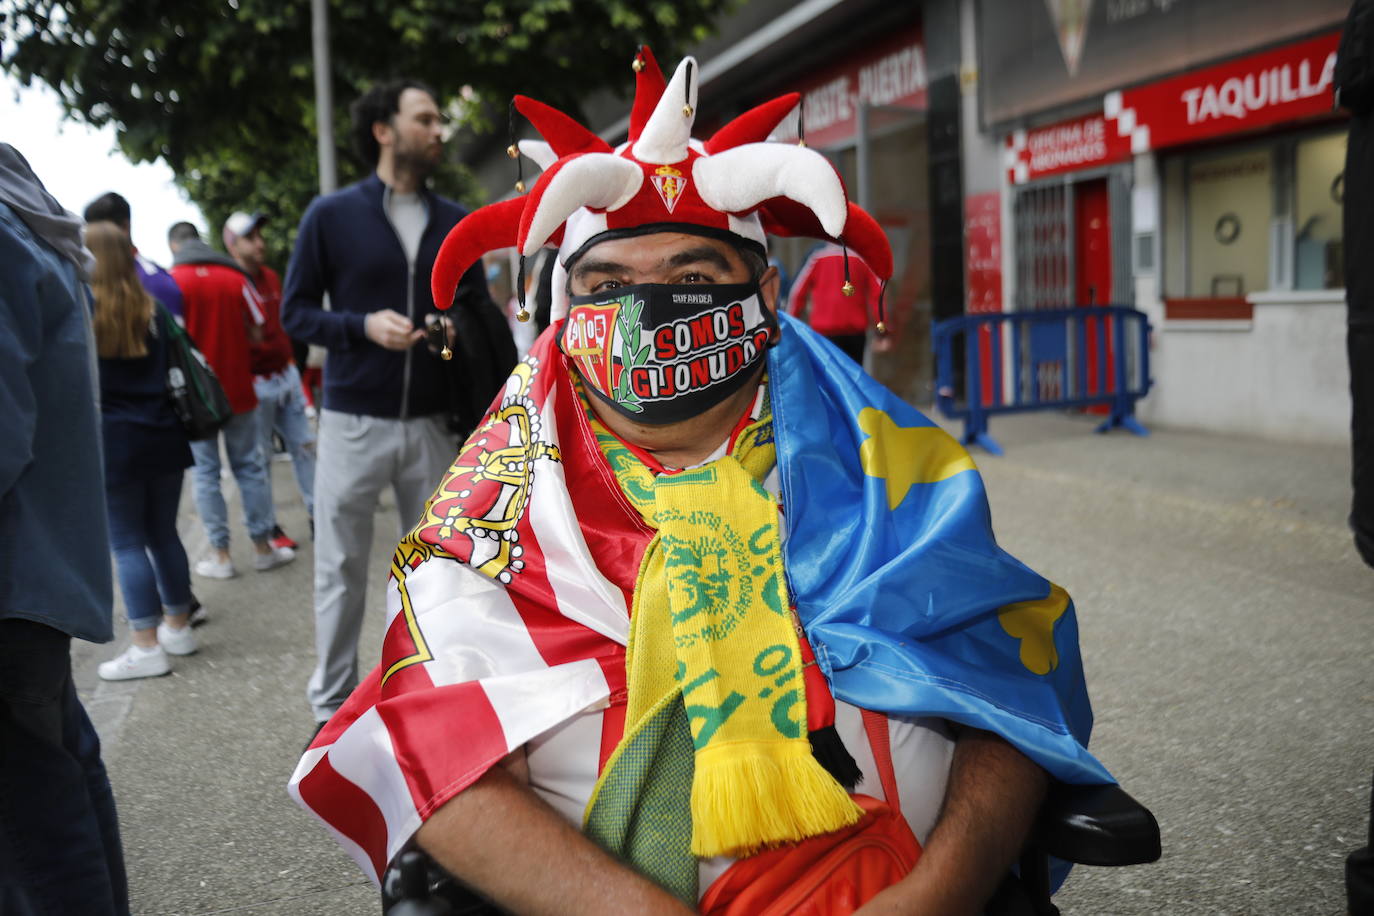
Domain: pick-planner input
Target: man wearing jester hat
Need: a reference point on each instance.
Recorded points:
(699, 595)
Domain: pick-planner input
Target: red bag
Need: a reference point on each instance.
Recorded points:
(832, 874)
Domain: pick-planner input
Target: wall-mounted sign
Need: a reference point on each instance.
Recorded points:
(1038, 55)
(889, 73)
(1285, 84)
(1080, 143)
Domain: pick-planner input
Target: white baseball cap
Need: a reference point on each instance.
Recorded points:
(240, 224)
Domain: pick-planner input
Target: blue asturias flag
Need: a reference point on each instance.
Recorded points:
(910, 603)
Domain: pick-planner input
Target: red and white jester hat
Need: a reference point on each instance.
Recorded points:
(735, 183)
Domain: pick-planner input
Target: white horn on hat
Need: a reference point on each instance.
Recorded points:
(739, 179)
(664, 138)
(595, 180)
(539, 152)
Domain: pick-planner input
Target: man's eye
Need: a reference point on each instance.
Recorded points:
(605, 285)
(696, 276)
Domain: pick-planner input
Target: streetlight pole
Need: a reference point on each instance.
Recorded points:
(324, 95)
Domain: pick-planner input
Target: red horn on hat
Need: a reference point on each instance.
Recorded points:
(649, 86)
(862, 233)
(561, 132)
(484, 229)
(754, 125)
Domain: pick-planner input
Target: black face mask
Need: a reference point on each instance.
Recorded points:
(661, 353)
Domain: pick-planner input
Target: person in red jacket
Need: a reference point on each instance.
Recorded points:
(818, 296)
(276, 380)
(224, 316)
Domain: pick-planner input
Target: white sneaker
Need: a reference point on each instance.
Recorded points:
(134, 662)
(279, 556)
(211, 568)
(174, 641)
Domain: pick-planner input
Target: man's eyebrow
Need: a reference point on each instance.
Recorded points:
(585, 267)
(702, 253)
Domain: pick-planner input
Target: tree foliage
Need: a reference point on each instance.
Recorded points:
(224, 89)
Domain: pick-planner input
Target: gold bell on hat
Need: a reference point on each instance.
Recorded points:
(638, 64)
(446, 353)
(513, 151)
(523, 314)
(520, 187)
(848, 288)
(882, 327)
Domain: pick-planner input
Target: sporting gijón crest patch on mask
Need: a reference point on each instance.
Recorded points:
(662, 353)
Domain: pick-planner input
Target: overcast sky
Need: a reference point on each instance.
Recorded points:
(77, 164)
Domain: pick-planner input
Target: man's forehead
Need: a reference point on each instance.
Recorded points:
(657, 249)
(415, 101)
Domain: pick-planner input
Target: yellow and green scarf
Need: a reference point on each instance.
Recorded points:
(712, 645)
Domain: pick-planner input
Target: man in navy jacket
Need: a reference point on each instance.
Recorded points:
(369, 249)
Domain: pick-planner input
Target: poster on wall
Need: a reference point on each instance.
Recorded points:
(983, 242)
(1037, 55)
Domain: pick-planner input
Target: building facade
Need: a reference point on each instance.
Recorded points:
(1186, 159)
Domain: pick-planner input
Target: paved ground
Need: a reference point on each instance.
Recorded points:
(1227, 627)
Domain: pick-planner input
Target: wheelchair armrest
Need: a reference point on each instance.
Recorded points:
(1096, 825)
(415, 885)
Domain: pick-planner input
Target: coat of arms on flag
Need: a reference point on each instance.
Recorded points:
(475, 512)
(670, 184)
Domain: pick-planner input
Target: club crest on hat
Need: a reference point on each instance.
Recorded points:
(670, 184)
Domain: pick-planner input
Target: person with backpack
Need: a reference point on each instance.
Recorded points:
(146, 455)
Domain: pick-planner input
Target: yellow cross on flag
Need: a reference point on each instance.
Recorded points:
(1033, 622)
(906, 455)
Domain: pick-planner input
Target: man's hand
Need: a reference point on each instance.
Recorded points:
(990, 803)
(502, 839)
(390, 329)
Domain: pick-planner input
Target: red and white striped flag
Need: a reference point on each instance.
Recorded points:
(507, 615)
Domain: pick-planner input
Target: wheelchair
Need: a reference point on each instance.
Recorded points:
(1085, 825)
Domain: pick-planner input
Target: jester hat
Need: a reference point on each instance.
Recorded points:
(736, 186)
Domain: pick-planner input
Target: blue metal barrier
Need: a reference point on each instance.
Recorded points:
(1054, 359)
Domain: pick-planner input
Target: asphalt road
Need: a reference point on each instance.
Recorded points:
(1227, 626)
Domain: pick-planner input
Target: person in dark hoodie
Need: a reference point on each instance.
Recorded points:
(60, 850)
(369, 248)
(1355, 83)
(1355, 88)
(223, 316)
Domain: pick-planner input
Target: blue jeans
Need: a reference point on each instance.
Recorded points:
(60, 851)
(249, 465)
(281, 408)
(149, 559)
